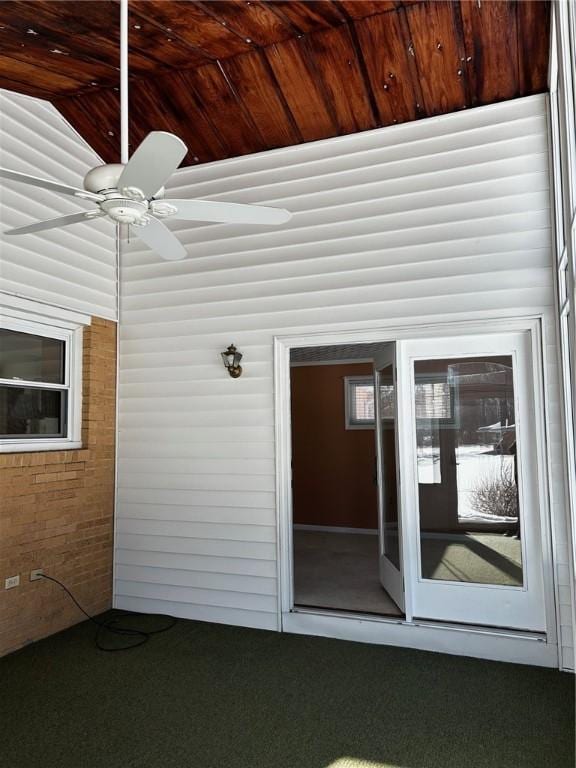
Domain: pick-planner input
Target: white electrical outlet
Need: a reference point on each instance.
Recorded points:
(11, 582)
(36, 574)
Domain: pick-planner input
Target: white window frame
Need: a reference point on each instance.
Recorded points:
(349, 409)
(63, 328)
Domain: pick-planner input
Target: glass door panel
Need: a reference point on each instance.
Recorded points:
(390, 561)
(391, 544)
(472, 500)
(467, 474)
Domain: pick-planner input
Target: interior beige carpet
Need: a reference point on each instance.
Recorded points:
(340, 571)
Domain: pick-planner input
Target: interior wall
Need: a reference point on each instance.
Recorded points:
(333, 468)
(56, 507)
(438, 220)
(74, 266)
(57, 512)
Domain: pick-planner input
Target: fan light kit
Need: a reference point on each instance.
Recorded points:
(132, 192)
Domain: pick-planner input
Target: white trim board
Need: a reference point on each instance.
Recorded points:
(42, 312)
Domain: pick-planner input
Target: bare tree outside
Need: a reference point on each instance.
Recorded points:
(496, 494)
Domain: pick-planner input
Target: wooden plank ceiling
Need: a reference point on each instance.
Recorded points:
(238, 76)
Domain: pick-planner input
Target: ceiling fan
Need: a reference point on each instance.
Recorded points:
(132, 192)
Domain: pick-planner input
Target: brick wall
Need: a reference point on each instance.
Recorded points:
(56, 512)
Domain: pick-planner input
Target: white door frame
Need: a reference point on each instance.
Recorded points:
(497, 644)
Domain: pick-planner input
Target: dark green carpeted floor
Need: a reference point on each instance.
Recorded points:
(209, 696)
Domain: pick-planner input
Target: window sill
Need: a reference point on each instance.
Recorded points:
(36, 446)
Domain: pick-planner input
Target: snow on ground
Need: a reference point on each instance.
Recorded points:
(474, 463)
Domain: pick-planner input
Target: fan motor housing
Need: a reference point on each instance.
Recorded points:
(103, 177)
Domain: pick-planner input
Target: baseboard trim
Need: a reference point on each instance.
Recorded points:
(334, 529)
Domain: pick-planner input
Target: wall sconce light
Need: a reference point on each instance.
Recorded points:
(231, 359)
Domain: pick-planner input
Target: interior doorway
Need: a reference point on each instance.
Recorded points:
(336, 480)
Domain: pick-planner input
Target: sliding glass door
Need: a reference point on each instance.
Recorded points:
(473, 548)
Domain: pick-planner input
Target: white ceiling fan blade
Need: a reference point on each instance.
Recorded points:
(231, 213)
(61, 221)
(158, 237)
(64, 189)
(153, 163)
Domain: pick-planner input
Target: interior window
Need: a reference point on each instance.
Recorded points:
(35, 391)
(360, 402)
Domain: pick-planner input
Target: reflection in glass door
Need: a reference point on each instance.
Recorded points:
(476, 537)
(467, 473)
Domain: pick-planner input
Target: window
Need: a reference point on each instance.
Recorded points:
(433, 400)
(40, 385)
(359, 400)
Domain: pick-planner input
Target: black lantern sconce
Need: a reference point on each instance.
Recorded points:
(231, 359)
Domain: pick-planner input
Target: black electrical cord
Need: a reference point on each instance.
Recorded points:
(139, 636)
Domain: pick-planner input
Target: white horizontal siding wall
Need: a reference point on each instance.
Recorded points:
(72, 267)
(446, 218)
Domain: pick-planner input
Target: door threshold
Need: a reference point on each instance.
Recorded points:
(343, 613)
(523, 634)
(460, 640)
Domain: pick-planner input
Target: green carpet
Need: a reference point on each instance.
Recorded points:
(209, 696)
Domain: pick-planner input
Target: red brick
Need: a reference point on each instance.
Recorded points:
(56, 511)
